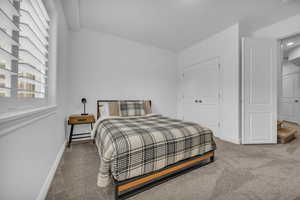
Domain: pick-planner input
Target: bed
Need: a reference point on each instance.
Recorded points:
(140, 149)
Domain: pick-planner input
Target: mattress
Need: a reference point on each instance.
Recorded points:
(134, 146)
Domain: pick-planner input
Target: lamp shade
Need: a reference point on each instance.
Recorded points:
(83, 100)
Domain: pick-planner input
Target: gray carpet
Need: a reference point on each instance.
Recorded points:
(240, 172)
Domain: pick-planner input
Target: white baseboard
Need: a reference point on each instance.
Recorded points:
(231, 140)
(44, 190)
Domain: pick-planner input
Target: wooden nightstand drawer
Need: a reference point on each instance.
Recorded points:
(81, 119)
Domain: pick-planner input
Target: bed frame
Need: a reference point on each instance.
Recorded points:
(130, 187)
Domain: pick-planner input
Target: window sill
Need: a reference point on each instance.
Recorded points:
(12, 121)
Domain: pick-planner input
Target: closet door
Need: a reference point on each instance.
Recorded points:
(259, 90)
(288, 105)
(201, 94)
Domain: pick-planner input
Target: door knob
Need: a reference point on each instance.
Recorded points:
(296, 101)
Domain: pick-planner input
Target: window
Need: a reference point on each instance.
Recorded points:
(24, 41)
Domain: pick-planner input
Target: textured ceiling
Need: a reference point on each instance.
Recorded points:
(174, 24)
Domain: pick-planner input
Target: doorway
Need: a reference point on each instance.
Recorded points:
(270, 89)
(289, 76)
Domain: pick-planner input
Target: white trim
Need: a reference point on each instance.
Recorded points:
(15, 121)
(229, 139)
(242, 95)
(44, 190)
(23, 114)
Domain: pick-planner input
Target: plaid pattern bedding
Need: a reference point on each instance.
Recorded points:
(134, 146)
(132, 108)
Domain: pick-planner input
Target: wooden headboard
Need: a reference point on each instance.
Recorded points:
(112, 101)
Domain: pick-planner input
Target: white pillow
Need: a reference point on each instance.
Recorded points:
(104, 109)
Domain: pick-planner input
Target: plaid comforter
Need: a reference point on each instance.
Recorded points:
(134, 146)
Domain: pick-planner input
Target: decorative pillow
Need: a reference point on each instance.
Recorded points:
(114, 109)
(132, 108)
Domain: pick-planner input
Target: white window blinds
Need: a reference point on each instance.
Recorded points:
(8, 45)
(33, 50)
(24, 41)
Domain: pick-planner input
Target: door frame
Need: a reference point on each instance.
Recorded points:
(220, 75)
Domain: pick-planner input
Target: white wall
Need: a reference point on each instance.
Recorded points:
(224, 45)
(27, 154)
(103, 66)
(288, 67)
(281, 29)
(294, 53)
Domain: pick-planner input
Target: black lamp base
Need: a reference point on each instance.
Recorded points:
(84, 113)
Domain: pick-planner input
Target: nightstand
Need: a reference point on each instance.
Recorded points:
(77, 120)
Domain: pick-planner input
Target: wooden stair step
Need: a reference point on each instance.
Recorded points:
(286, 135)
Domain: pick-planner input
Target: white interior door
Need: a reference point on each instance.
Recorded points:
(259, 90)
(289, 105)
(201, 94)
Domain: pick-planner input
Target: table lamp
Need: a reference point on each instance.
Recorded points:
(83, 100)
